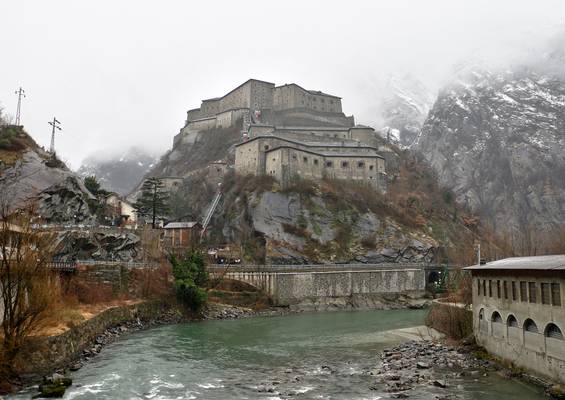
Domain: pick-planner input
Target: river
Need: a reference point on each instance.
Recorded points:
(306, 356)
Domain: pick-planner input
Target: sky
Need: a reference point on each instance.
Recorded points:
(122, 73)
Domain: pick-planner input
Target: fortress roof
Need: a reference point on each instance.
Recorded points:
(318, 145)
(316, 92)
(233, 90)
(326, 154)
(552, 262)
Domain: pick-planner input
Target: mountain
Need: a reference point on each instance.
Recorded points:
(498, 140)
(119, 173)
(404, 108)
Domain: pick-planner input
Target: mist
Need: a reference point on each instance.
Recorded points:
(122, 74)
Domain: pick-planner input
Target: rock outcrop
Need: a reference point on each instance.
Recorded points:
(96, 245)
(66, 202)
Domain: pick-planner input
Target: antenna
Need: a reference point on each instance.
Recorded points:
(56, 125)
(21, 93)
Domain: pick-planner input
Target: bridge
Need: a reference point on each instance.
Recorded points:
(292, 284)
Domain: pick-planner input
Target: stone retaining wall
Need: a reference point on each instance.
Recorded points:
(41, 356)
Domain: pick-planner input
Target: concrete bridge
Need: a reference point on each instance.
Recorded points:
(293, 284)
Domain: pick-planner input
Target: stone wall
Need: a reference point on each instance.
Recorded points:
(293, 288)
(43, 355)
(293, 96)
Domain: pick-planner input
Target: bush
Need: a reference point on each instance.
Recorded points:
(190, 273)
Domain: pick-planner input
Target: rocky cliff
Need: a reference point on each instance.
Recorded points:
(341, 222)
(29, 174)
(498, 139)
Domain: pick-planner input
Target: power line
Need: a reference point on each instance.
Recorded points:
(55, 125)
(21, 93)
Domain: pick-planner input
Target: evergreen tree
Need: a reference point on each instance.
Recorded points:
(153, 200)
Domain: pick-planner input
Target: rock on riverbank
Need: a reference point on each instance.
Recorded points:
(418, 364)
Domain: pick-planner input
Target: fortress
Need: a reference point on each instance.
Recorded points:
(290, 131)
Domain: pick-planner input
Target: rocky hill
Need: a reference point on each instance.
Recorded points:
(119, 173)
(498, 140)
(30, 174)
(338, 221)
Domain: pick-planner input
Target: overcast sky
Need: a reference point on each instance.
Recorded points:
(121, 73)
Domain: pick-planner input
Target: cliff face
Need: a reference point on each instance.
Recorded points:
(29, 174)
(498, 139)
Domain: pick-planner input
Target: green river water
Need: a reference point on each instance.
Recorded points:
(233, 359)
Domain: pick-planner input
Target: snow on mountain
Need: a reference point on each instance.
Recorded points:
(119, 173)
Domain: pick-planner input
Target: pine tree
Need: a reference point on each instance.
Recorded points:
(153, 200)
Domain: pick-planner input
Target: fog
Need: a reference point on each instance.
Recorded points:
(123, 73)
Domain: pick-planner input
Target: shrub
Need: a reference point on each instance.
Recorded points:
(190, 273)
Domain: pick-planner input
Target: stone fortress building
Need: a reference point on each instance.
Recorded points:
(289, 131)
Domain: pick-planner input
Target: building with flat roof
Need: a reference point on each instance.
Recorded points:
(518, 312)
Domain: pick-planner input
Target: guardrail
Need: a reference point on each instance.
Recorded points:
(322, 267)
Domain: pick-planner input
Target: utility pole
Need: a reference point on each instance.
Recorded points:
(21, 93)
(55, 125)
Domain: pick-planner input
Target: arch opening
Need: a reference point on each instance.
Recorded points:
(496, 317)
(530, 326)
(512, 322)
(553, 331)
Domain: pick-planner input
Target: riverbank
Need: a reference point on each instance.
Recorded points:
(420, 365)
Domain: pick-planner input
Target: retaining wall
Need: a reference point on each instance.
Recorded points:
(290, 288)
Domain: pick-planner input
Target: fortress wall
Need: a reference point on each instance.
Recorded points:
(191, 115)
(247, 158)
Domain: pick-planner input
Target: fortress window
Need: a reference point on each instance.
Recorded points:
(498, 294)
(371, 167)
(505, 287)
(329, 164)
(323, 101)
(532, 292)
(360, 164)
(545, 294)
(556, 294)
(294, 156)
(344, 164)
(266, 147)
(331, 101)
(315, 161)
(523, 292)
(305, 159)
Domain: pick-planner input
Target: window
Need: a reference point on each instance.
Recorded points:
(496, 317)
(315, 161)
(344, 164)
(294, 156)
(545, 293)
(523, 292)
(553, 331)
(331, 101)
(556, 294)
(530, 326)
(505, 288)
(489, 288)
(329, 164)
(484, 288)
(514, 292)
(532, 292)
(361, 164)
(512, 321)
(371, 167)
(305, 160)
(266, 147)
(478, 287)
(498, 292)
(274, 159)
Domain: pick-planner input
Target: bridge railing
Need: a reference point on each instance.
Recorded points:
(218, 268)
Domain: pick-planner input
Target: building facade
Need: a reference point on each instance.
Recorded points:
(285, 159)
(519, 314)
(181, 235)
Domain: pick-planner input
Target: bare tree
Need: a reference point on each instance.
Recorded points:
(28, 286)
